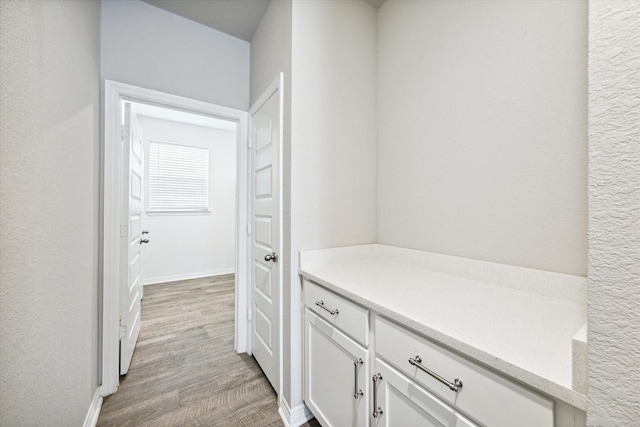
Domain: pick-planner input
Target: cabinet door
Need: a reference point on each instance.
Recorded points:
(400, 402)
(336, 382)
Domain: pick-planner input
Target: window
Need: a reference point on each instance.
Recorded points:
(178, 178)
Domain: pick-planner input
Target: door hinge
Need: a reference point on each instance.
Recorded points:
(124, 231)
(124, 132)
(249, 315)
(249, 229)
(249, 145)
(123, 331)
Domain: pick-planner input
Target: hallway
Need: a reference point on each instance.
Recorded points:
(185, 371)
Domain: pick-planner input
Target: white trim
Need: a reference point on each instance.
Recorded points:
(94, 410)
(178, 213)
(296, 417)
(178, 277)
(277, 85)
(114, 92)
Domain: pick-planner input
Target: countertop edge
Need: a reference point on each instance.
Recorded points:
(513, 371)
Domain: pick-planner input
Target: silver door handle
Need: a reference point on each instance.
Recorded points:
(377, 411)
(144, 241)
(145, 231)
(271, 257)
(356, 367)
(456, 385)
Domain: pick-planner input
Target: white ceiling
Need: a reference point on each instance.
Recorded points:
(238, 18)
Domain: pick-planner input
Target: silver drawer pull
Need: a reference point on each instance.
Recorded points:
(456, 385)
(356, 367)
(331, 312)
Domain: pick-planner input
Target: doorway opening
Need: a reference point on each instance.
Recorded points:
(169, 220)
(189, 192)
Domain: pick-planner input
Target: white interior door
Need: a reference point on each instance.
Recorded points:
(266, 239)
(130, 237)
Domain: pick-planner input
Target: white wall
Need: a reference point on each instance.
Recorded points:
(333, 139)
(482, 141)
(149, 47)
(186, 246)
(270, 55)
(614, 211)
(327, 53)
(49, 182)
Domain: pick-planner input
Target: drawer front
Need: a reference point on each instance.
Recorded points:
(341, 313)
(486, 396)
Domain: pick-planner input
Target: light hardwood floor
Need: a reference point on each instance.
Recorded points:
(184, 371)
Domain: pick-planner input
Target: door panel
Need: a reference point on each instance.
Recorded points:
(330, 387)
(264, 182)
(265, 239)
(263, 281)
(130, 275)
(263, 227)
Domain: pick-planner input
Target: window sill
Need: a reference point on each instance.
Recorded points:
(178, 213)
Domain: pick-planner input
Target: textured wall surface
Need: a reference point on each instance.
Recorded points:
(271, 55)
(49, 164)
(333, 139)
(482, 130)
(614, 212)
(149, 47)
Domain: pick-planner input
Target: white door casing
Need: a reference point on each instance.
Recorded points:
(131, 236)
(266, 238)
(113, 173)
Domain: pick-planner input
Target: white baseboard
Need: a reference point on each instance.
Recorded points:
(177, 277)
(94, 410)
(296, 417)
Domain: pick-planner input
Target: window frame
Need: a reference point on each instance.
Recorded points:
(181, 210)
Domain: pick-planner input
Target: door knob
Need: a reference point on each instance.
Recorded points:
(145, 231)
(271, 257)
(144, 241)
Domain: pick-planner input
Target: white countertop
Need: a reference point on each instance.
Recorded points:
(525, 335)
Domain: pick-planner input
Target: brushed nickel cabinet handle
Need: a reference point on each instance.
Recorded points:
(356, 367)
(331, 312)
(377, 411)
(456, 385)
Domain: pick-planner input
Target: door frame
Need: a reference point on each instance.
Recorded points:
(111, 199)
(277, 85)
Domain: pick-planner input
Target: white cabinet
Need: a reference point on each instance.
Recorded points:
(405, 379)
(335, 372)
(350, 318)
(399, 402)
(485, 395)
(336, 367)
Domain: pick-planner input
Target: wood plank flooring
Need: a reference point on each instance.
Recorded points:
(184, 371)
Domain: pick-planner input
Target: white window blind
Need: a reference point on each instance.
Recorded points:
(178, 178)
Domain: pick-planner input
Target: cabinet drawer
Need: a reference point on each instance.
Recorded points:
(486, 396)
(343, 314)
